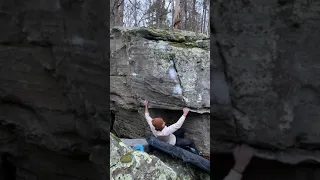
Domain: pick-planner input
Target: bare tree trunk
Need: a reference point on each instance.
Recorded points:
(160, 12)
(194, 12)
(120, 13)
(151, 13)
(157, 12)
(177, 15)
(204, 15)
(172, 11)
(112, 15)
(163, 12)
(116, 12)
(185, 15)
(135, 14)
(208, 16)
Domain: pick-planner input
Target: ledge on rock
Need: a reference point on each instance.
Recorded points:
(160, 34)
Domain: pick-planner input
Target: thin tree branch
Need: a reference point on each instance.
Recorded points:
(134, 5)
(114, 5)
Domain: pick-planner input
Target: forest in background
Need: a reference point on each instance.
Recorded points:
(189, 15)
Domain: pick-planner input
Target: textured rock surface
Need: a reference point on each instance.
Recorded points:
(53, 94)
(265, 169)
(170, 69)
(266, 77)
(126, 163)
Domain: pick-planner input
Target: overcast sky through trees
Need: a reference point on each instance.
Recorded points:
(159, 13)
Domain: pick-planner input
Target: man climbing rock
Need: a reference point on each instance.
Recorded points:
(171, 134)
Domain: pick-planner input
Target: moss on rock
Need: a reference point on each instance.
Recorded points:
(141, 165)
(162, 34)
(189, 44)
(116, 138)
(127, 158)
(182, 45)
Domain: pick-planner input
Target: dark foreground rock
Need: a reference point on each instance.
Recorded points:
(53, 89)
(265, 88)
(129, 164)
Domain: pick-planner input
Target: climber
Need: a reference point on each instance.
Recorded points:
(172, 134)
(242, 156)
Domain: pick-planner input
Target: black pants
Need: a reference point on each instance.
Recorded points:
(183, 142)
(179, 133)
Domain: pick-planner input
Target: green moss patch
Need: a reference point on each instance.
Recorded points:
(116, 138)
(189, 44)
(163, 34)
(179, 177)
(127, 158)
(184, 45)
(181, 45)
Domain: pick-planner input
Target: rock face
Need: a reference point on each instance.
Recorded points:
(53, 94)
(126, 163)
(266, 77)
(264, 169)
(171, 70)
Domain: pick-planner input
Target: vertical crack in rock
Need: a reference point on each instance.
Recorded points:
(178, 78)
(225, 71)
(112, 54)
(224, 61)
(234, 118)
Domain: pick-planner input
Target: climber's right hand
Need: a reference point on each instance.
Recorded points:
(242, 156)
(185, 111)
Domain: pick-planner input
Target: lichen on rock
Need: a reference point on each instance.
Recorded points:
(128, 164)
(127, 158)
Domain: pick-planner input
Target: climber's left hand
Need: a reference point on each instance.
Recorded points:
(145, 102)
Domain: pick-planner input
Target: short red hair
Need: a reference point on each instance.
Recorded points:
(157, 123)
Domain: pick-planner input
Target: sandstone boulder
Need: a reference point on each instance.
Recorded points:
(168, 68)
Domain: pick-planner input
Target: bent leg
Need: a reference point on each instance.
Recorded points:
(179, 133)
(184, 143)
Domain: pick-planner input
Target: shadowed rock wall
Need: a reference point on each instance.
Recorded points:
(265, 78)
(54, 89)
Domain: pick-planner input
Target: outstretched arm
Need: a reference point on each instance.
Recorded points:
(174, 127)
(233, 175)
(146, 113)
(242, 156)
